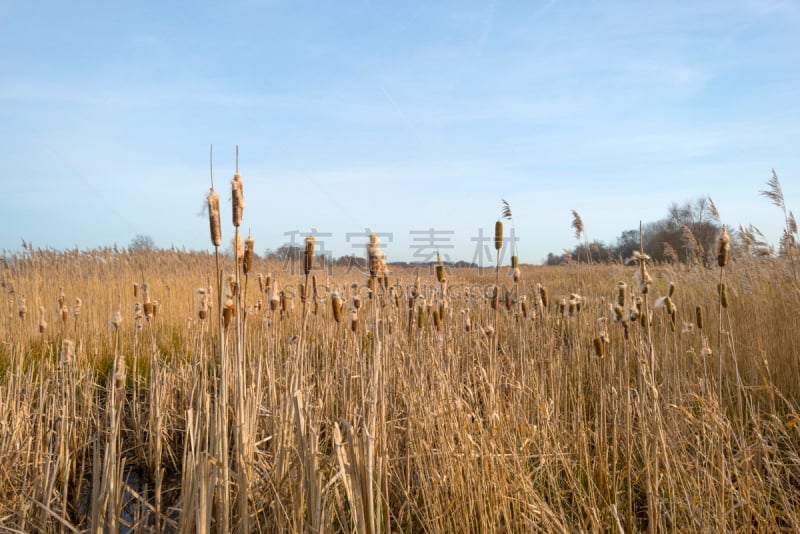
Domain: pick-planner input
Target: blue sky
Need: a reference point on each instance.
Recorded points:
(392, 116)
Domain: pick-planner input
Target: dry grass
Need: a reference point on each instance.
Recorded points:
(403, 423)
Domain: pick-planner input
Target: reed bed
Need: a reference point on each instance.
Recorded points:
(552, 399)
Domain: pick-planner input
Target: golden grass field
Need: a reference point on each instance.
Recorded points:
(418, 418)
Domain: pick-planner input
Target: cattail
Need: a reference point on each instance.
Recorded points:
(467, 321)
(228, 312)
(723, 294)
(237, 199)
(440, 274)
(562, 306)
(154, 309)
(214, 219)
(42, 321)
(517, 274)
(599, 347)
(671, 289)
(356, 301)
(524, 306)
(544, 296)
(622, 290)
(138, 314)
(67, 351)
(308, 255)
(116, 320)
(202, 303)
(274, 297)
(135, 290)
(76, 308)
(260, 283)
(336, 305)
(619, 313)
(354, 320)
(148, 310)
(60, 300)
(284, 302)
(514, 261)
(421, 315)
(22, 308)
(64, 314)
(377, 259)
(119, 373)
(723, 246)
(247, 263)
(698, 313)
(498, 235)
(488, 331)
(507, 299)
(437, 319)
(493, 297)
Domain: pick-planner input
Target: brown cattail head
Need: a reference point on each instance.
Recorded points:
(671, 289)
(437, 319)
(440, 274)
(64, 314)
(498, 235)
(308, 255)
(514, 261)
(723, 247)
(135, 290)
(493, 295)
(354, 320)
(61, 298)
(247, 263)
(42, 321)
(237, 199)
(517, 274)
(599, 347)
(356, 301)
(698, 313)
(723, 295)
(376, 257)
(228, 311)
(524, 306)
(622, 290)
(76, 308)
(336, 306)
(214, 219)
(260, 283)
(22, 308)
(544, 296)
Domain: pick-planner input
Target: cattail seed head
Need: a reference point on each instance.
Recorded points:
(514, 261)
(517, 274)
(22, 308)
(76, 308)
(671, 289)
(237, 199)
(698, 313)
(260, 283)
(354, 320)
(524, 306)
(116, 320)
(228, 312)
(599, 347)
(202, 303)
(440, 274)
(214, 219)
(247, 263)
(135, 290)
(376, 257)
(544, 296)
(60, 300)
(336, 305)
(437, 319)
(622, 290)
(308, 255)
(119, 373)
(42, 321)
(498, 235)
(723, 295)
(64, 314)
(723, 247)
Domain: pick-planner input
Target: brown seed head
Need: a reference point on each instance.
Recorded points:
(308, 255)
(237, 199)
(498, 235)
(214, 219)
(249, 252)
(440, 274)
